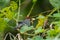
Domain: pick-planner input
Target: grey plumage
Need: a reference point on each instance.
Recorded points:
(24, 22)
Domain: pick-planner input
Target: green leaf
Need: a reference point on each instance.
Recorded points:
(29, 39)
(8, 13)
(51, 33)
(56, 15)
(3, 24)
(12, 23)
(13, 5)
(34, 1)
(37, 38)
(49, 38)
(57, 23)
(4, 3)
(57, 37)
(39, 30)
(1, 36)
(41, 17)
(25, 28)
(55, 3)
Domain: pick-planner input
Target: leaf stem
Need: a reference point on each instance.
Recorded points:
(52, 11)
(18, 13)
(31, 9)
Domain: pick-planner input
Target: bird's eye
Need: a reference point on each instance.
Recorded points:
(19, 22)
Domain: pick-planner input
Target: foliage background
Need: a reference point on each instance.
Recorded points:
(44, 15)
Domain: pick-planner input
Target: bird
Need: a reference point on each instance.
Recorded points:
(21, 23)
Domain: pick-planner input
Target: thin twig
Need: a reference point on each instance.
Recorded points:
(19, 36)
(9, 35)
(28, 34)
(6, 36)
(52, 11)
(31, 9)
(18, 13)
(43, 12)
